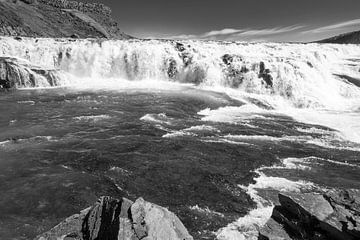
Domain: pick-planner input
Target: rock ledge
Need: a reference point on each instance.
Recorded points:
(314, 216)
(114, 219)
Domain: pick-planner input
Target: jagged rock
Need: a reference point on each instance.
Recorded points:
(180, 47)
(346, 205)
(16, 73)
(74, 36)
(332, 215)
(172, 68)
(273, 231)
(350, 80)
(265, 74)
(227, 59)
(113, 219)
(234, 72)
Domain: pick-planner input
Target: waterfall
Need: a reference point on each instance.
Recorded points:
(307, 75)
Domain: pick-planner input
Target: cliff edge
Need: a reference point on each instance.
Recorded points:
(346, 38)
(58, 19)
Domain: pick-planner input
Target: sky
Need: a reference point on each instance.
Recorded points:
(236, 20)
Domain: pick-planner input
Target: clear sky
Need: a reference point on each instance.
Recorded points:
(243, 20)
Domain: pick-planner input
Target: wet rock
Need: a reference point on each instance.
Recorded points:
(331, 215)
(75, 36)
(346, 205)
(273, 231)
(172, 68)
(234, 70)
(16, 73)
(227, 59)
(265, 75)
(113, 219)
(180, 47)
(184, 53)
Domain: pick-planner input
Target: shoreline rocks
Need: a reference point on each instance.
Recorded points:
(120, 219)
(314, 216)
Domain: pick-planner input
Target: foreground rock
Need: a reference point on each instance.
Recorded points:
(17, 73)
(121, 219)
(333, 215)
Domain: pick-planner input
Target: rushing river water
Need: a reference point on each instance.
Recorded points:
(213, 152)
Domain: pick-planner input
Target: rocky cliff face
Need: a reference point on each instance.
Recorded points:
(313, 216)
(347, 38)
(114, 219)
(56, 19)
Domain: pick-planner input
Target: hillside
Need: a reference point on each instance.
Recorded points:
(57, 18)
(347, 38)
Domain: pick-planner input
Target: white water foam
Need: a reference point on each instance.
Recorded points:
(304, 84)
(232, 114)
(246, 228)
(160, 118)
(20, 142)
(302, 73)
(206, 211)
(94, 118)
(27, 102)
(192, 131)
(306, 163)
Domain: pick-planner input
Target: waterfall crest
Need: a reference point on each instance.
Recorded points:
(307, 75)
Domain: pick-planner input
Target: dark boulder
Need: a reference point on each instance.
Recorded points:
(233, 71)
(75, 36)
(180, 47)
(172, 70)
(331, 215)
(227, 59)
(265, 75)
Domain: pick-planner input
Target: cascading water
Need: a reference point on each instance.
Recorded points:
(305, 75)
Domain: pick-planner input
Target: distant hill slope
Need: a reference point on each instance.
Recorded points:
(347, 38)
(57, 18)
